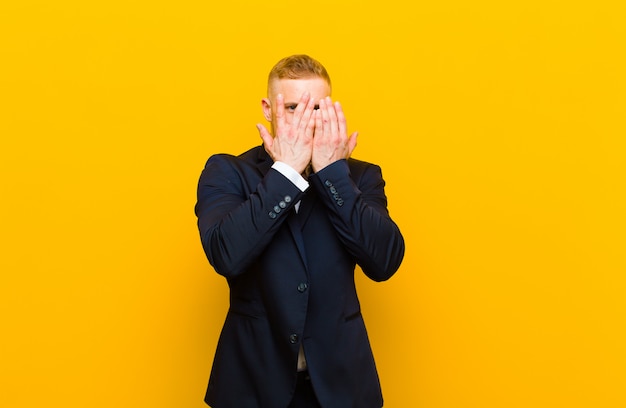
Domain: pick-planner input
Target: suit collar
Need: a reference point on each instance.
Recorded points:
(264, 161)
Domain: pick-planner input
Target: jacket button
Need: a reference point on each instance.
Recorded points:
(302, 287)
(287, 199)
(293, 339)
(272, 215)
(282, 204)
(276, 209)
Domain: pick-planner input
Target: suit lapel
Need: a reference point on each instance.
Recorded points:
(306, 206)
(295, 227)
(295, 221)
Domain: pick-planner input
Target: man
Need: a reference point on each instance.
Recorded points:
(286, 223)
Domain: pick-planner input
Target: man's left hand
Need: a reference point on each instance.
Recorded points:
(330, 139)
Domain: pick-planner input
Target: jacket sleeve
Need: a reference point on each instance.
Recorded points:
(358, 210)
(239, 212)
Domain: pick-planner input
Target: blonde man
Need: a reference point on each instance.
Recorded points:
(286, 223)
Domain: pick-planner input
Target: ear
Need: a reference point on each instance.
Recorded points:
(267, 109)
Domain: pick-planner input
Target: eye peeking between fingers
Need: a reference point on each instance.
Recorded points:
(291, 107)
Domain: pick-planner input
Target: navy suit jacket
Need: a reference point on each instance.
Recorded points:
(291, 278)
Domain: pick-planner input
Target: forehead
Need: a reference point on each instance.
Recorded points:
(292, 89)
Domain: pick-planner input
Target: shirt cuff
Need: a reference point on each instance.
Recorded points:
(292, 175)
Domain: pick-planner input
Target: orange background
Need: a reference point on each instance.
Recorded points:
(500, 128)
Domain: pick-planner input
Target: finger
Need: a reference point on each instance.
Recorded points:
(310, 128)
(307, 115)
(300, 110)
(280, 113)
(332, 118)
(318, 131)
(352, 143)
(341, 120)
(325, 118)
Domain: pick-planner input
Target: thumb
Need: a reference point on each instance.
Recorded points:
(267, 138)
(352, 143)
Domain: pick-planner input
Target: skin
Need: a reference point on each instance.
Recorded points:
(307, 126)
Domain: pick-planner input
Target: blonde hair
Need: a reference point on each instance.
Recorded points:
(298, 66)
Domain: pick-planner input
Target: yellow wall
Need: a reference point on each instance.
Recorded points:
(500, 127)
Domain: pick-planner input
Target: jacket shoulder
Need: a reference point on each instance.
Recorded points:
(240, 162)
(358, 168)
(253, 154)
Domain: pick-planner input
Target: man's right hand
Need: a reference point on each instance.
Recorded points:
(293, 142)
